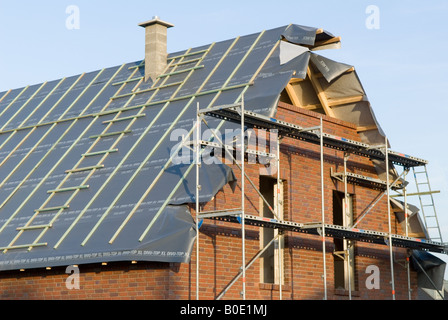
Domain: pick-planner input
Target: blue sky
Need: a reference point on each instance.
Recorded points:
(402, 64)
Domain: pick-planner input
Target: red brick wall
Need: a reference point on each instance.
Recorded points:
(300, 167)
(220, 242)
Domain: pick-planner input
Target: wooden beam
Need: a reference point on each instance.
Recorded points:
(320, 93)
(313, 107)
(295, 80)
(9, 91)
(416, 235)
(292, 95)
(345, 100)
(329, 41)
(415, 194)
(366, 128)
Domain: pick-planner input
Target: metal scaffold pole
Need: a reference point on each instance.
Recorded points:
(280, 216)
(346, 222)
(243, 231)
(323, 206)
(197, 160)
(406, 230)
(386, 148)
(198, 187)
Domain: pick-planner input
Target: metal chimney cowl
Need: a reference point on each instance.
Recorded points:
(155, 47)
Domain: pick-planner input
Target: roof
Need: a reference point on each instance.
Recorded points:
(87, 171)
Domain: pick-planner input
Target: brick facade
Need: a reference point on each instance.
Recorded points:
(220, 242)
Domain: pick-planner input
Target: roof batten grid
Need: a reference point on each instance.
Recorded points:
(135, 91)
(52, 209)
(167, 131)
(122, 160)
(18, 145)
(68, 189)
(140, 65)
(172, 64)
(127, 81)
(4, 110)
(40, 122)
(110, 134)
(189, 54)
(13, 101)
(23, 105)
(180, 71)
(112, 111)
(5, 95)
(49, 151)
(35, 167)
(124, 118)
(43, 137)
(77, 167)
(36, 227)
(77, 140)
(46, 133)
(24, 246)
(147, 90)
(83, 169)
(168, 163)
(14, 131)
(78, 170)
(187, 62)
(92, 115)
(219, 126)
(79, 216)
(97, 153)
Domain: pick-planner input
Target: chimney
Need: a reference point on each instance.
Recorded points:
(155, 47)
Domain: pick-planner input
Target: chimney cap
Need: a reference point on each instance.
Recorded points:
(156, 20)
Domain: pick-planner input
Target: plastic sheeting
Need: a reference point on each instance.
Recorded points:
(329, 68)
(416, 227)
(300, 34)
(431, 270)
(289, 51)
(337, 85)
(212, 178)
(309, 36)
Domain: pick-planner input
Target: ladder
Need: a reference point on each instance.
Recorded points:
(425, 195)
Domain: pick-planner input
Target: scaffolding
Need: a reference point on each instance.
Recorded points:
(236, 113)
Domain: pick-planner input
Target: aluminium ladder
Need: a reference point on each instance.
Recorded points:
(425, 195)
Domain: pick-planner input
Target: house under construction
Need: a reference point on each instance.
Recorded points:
(252, 168)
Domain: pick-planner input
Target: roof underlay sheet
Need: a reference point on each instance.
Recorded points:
(431, 270)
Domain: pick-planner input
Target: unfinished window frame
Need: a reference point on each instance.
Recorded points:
(274, 255)
(344, 250)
